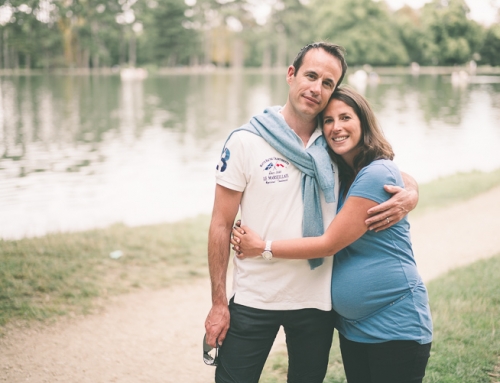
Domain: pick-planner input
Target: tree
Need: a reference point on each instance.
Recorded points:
(30, 37)
(490, 53)
(166, 38)
(291, 28)
(364, 28)
(449, 36)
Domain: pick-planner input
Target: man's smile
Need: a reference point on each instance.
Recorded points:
(311, 99)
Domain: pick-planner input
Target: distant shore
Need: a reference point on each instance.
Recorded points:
(161, 71)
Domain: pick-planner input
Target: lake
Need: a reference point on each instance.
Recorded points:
(80, 152)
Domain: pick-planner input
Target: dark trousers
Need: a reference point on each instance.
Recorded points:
(252, 332)
(399, 361)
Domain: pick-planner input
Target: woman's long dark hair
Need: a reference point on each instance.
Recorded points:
(373, 145)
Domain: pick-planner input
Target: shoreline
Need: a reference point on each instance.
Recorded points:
(431, 187)
(168, 71)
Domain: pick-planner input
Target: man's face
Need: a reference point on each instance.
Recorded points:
(314, 83)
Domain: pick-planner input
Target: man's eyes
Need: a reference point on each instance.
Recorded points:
(326, 84)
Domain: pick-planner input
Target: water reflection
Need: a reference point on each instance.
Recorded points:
(81, 152)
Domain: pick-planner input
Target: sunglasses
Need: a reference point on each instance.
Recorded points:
(210, 354)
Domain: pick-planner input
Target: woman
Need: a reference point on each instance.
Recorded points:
(384, 319)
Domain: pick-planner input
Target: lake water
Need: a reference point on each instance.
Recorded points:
(79, 152)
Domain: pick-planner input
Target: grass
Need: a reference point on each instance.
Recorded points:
(449, 190)
(466, 312)
(72, 273)
(465, 305)
(62, 274)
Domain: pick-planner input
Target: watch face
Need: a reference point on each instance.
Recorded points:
(267, 255)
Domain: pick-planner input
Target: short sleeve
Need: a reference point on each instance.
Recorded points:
(370, 181)
(230, 170)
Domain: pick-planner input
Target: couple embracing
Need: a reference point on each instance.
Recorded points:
(324, 241)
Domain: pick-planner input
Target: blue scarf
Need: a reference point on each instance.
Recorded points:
(314, 163)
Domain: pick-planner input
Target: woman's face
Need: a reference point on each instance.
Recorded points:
(342, 129)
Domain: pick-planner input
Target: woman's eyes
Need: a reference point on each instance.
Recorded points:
(342, 118)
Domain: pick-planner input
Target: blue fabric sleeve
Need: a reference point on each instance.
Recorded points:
(370, 181)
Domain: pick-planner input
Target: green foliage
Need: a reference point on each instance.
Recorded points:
(491, 46)
(292, 27)
(449, 37)
(166, 41)
(97, 33)
(364, 28)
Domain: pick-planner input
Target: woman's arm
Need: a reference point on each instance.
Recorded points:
(347, 227)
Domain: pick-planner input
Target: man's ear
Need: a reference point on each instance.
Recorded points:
(290, 73)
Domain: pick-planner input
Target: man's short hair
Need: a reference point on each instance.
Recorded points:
(333, 49)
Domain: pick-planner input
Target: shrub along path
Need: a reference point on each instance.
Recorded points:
(155, 336)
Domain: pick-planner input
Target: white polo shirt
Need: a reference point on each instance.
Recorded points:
(272, 206)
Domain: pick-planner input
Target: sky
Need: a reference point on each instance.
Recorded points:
(483, 11)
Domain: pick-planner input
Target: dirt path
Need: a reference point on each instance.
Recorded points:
(156, 336)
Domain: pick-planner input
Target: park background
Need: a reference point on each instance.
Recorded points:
(113, 115)
(96, 34)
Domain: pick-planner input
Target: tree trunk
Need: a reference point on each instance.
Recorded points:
(85, 58)
(281, 56)
(132, 50)
(121, 59)
(46, 60)
(15, 56)
(207, 45)
(237, 55)
(6, 64)
(172, 60)
(68, 41)
(194, 60)
(27, 62)
(266, 57)
(95, 61)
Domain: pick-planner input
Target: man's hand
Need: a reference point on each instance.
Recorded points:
(226, 206)
(392, 211)
(217, 324)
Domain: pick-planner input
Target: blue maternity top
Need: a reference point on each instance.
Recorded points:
(376, 288)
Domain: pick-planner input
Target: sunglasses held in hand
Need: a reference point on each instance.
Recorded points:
(210, 354)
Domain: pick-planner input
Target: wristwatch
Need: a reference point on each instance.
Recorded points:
(267, 254)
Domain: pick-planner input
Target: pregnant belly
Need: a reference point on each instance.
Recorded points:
(361, 298)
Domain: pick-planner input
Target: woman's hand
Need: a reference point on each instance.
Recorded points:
(246, 243)
(392, 211)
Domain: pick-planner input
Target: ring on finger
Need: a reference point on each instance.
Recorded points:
(388, 220)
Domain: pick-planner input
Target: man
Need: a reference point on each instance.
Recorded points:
(274, 191)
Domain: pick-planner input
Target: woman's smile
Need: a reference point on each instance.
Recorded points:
(339, 139)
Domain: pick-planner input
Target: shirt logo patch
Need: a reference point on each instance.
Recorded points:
(222, 166)
(275, 170)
